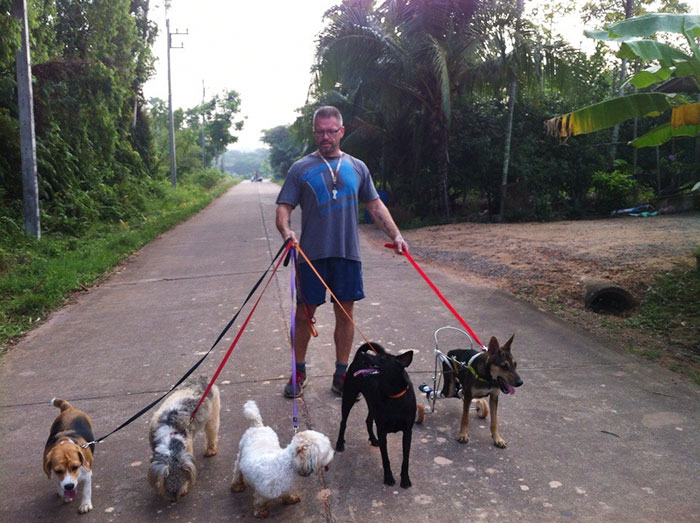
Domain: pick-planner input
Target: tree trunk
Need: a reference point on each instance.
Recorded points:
(629, 8)
(616, 130)
(509, 124)
(444, 196)
(506, 152)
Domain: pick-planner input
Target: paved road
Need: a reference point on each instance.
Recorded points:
(593, 435)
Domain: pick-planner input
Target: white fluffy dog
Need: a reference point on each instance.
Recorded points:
(270, 469)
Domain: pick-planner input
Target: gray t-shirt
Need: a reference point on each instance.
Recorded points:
(328, 226)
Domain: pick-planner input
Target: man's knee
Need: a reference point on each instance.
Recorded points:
(347, 307)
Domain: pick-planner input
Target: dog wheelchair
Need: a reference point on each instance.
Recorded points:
(434, 393)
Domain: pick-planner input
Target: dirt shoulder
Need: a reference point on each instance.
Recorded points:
(545, 263)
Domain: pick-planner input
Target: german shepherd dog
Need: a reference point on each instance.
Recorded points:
(481, 374)
(383, 381)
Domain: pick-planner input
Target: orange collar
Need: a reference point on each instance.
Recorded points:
(404, 391)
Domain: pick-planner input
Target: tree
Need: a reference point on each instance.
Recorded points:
(219, 114)
(668, 63)
(284, 149)
(407, 60)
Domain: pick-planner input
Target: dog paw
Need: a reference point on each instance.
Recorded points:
(463, 438)
(261, 513)
(84, 508)
(499, 443)
(210, 452)
(406, 483)
(374, 442)
(389, 480)
(237, 487)
(340, 447)
(291, 499)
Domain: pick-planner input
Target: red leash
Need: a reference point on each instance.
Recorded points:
(240, 332)
(439, 294)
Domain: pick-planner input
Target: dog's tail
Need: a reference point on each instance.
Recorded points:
(251, 412)
(61, 404)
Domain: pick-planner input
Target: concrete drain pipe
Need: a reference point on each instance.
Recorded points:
(604, 297)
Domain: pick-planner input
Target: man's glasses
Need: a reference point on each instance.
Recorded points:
(330, 132)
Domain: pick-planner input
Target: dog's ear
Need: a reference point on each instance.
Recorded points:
(157, 473)
(506, 345)
(47, 463)
(405, 359)
(191, 470)
(493, 345)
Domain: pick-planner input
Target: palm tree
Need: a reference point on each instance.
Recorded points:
(404, 61)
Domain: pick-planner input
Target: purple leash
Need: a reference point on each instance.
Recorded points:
(292, 286)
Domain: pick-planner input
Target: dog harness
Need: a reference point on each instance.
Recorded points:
(472, 370)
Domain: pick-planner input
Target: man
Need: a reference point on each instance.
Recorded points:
(328, 184)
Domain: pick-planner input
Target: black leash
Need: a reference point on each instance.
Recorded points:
(196, 365)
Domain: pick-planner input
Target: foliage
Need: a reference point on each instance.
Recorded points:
(37, 276)
(284, 149)
(90, 60)
(614, 190)
(245, 163)
(214, 119)
(670, 308)
(635, 36)
(422, 86)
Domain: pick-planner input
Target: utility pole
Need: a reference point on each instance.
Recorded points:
(173, 165)
(30, 187)
(204, 141)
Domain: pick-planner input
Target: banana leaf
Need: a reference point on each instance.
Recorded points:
(608, 113)
(663, 133)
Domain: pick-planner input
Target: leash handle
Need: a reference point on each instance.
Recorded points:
(439, 294)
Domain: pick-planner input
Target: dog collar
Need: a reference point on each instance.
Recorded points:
(404, 391)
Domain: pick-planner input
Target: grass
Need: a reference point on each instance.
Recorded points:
(671, 309)
(37, 277)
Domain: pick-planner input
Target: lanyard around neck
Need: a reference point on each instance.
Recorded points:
(334, 174)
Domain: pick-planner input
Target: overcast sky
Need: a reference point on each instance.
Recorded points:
(263, 49)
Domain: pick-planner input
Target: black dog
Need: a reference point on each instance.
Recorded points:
(481, 374)
(383, 381)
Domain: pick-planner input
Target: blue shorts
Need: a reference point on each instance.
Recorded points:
(343, 276)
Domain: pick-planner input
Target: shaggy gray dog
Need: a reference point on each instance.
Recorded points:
(173, 471)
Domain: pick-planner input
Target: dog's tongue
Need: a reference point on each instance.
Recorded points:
(70, 494)
(510, 389)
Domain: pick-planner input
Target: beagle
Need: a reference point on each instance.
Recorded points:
(66, 462)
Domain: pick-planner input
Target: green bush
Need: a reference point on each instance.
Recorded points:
(615, 190)
(207, 178)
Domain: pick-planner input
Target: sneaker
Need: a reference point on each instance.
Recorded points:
(289, 387)
(338, 382)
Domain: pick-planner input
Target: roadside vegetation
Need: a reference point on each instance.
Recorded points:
(446, 101)
(670, 310)
(102, 151)
(38, 276)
